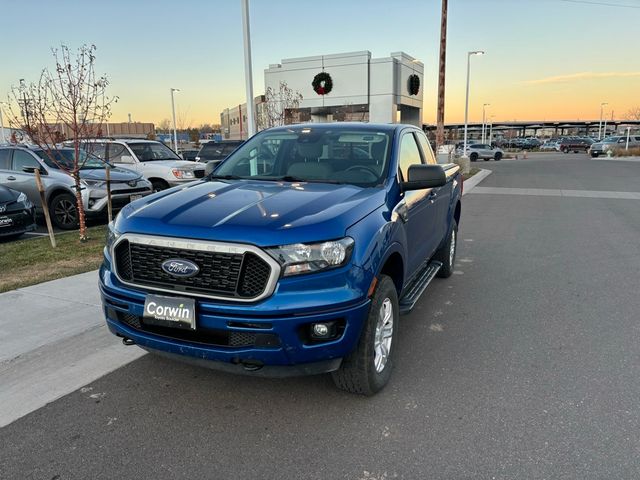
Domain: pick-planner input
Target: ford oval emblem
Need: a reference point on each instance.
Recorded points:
(179, 267)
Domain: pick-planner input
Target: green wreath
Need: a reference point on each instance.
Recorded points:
(322, 83)
(414, 84)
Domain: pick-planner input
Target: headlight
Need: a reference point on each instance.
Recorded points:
(179, 173)
(112, 235)
(22, 198)
(306, 258)
(92, 183)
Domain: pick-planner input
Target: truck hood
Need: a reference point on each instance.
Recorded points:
(184, 164)
(257, 212)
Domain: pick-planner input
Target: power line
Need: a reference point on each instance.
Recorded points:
(587, 2)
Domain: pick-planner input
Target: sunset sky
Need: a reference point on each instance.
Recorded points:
(546, 59)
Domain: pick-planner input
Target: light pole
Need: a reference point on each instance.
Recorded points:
(484, 121)
(600, 124)
(173, 110)
(466, 105)
(248, 74)
(4, 139)
(628, 133)
(490, 128)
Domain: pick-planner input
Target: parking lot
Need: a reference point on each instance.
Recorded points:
(524, 364)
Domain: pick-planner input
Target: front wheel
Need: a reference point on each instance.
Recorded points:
(565, 150)
(497, 157)
(368, 368)
(64, 212)
(594, 154)
(473, 157)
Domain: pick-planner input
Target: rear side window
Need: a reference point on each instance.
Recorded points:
(5, 158)
(23, 159)
(116, 151)
(427, 153)
(211, 150)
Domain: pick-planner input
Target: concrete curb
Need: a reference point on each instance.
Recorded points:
(475, 180)
(616, 159)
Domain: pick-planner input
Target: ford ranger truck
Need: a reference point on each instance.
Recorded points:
(297, 255)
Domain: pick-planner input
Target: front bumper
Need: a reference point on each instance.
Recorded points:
(284, 316)
(17, 222)
(95, 202)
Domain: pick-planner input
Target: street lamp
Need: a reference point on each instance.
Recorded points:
(484, 121)
(173, 110)
(466, 105)
(4, 139)
(600, 124)
(248, 72)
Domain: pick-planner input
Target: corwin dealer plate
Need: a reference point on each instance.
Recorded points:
(170, 312)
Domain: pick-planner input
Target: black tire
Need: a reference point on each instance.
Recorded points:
(64, 211)
(444, 255)
(473, 157)
(594, 154)
(159, 185)
(497, 157)
(358, 373)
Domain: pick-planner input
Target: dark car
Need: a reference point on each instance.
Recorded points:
(217, 151)
(190, 154)
(573, 144)
(17, 213)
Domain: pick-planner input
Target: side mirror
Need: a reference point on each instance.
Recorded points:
(210, 167)
(424, 176)
(125, 159)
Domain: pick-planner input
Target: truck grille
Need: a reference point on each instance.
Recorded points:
(228, 275)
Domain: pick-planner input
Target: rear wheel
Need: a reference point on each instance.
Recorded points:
(64, 212)
(497, 157)
(473, 157)
(447, 253)
(368, 368)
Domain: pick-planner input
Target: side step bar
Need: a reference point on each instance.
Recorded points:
(418, 286)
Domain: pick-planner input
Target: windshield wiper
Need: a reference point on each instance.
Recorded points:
(290, 178)
(224, 177)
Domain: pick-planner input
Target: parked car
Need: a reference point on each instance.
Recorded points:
(573, 144)
(550, 145)
(189, 154)
(531, 143)
(612, 143)
(17, 213)
(217, 151)
(152, 159)
(296, 264)
(477, 151)
(17, 167)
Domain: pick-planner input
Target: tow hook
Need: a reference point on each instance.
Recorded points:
(127, 341)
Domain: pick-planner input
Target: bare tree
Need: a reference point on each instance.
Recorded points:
(278, 106)
(68, 103)
(633, 113)
(165, 125)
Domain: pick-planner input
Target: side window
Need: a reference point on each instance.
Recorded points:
(23, 159)
(427, 153)
(116, 151)
(5, 158)
(409, 154)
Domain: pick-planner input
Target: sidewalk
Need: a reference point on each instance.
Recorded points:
(53, 340)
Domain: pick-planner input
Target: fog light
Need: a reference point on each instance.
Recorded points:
(320, 330)
(92, 202)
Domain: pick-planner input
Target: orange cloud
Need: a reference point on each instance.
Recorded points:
(582, 76)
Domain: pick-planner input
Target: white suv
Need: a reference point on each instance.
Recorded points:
(153, 160)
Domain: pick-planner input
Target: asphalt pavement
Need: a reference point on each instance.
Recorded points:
(524, 364)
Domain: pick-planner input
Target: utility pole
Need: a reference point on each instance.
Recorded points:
(441, 75)
(248, 73)
(173, 111)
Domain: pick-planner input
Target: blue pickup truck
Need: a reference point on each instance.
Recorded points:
(297, 255)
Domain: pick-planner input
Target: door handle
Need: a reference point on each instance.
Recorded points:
(11, 177)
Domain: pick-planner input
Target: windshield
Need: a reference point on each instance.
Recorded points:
(149, 152)
(64, 158)
(611, 139)
(307, 154)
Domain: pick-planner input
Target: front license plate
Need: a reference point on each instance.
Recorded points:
(134, 197)
(6, 222)
(170, 312)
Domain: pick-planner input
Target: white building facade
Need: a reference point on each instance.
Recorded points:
(342, 87)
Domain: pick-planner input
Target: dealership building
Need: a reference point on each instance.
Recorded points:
(339, 87)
